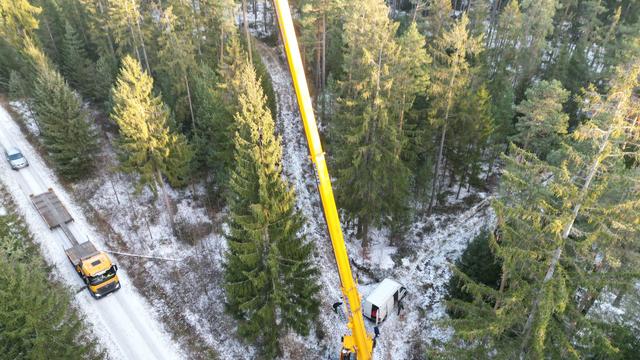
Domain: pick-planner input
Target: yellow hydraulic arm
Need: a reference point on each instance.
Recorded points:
(358, 341)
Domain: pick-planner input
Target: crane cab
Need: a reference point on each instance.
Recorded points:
(383, 300)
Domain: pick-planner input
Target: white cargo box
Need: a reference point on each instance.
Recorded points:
(383, 299)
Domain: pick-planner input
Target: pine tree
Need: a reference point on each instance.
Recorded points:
(470, 134)
(438, 19)
(269, 277)
(218, 21)
(51, 29)
(505, 39)
(543, 121)
(75, 65)
(66, 133)
(147, 146)
(450, 75)
(478, 263)
(317, 17)
(17, 86)
(98, 25)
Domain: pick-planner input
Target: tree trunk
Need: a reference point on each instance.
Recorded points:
(365, 234)
(565, 234)
(437, 169)
(264, 16)
(221, 45)
(167, 201)
(134, 43)
(106, 29)
(619, 296)
(503, 284)
(193, 118)
(324, 51)
(441, 147)
(144, 48)
(53, 42)
(245, 24)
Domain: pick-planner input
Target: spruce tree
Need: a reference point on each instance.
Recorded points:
(543, 121)
(270, 280)
(536, 26)
(564, 227)
(372, 179)
(51, 30)
(66, 133)
(146, 145)
(75, 65)
(176, 60)
(18, 21)
(215, 103)
(106, 72)
(450, 75)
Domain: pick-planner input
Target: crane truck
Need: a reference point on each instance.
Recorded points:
(94, 267)
(357, 344)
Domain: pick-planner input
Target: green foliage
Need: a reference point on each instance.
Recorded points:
(76, 67)
(372, 180)
(451, 72)
(37, 320)
(543, 121)
(106, 72)
(478, 263)
(216, 102)
(270, 280)
(51, 31)
(18, 21)
(17, 86)
(619, 343)
(563, 238)
(66, 133)
(176, 59)
(146, 145)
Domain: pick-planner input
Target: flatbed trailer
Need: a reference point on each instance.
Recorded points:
(93, 266)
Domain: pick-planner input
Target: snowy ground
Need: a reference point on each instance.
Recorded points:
(124, 321)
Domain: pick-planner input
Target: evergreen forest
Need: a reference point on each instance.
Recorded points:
(427, 109)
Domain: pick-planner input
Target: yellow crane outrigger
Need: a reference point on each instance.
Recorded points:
(358, 342)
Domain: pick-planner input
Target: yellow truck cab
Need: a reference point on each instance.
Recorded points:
(93, 266)
(95, 269)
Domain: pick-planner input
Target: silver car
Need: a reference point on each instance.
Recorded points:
(15, 158)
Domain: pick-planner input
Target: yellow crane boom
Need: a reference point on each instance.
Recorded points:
(358, 341)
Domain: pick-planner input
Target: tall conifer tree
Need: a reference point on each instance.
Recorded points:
(373, 181)
(66, 133)
(563, 230)
(147, 146)
(75, 65)
(450, 75)
(270, 281)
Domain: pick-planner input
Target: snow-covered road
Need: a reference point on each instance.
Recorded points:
(123, 322)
